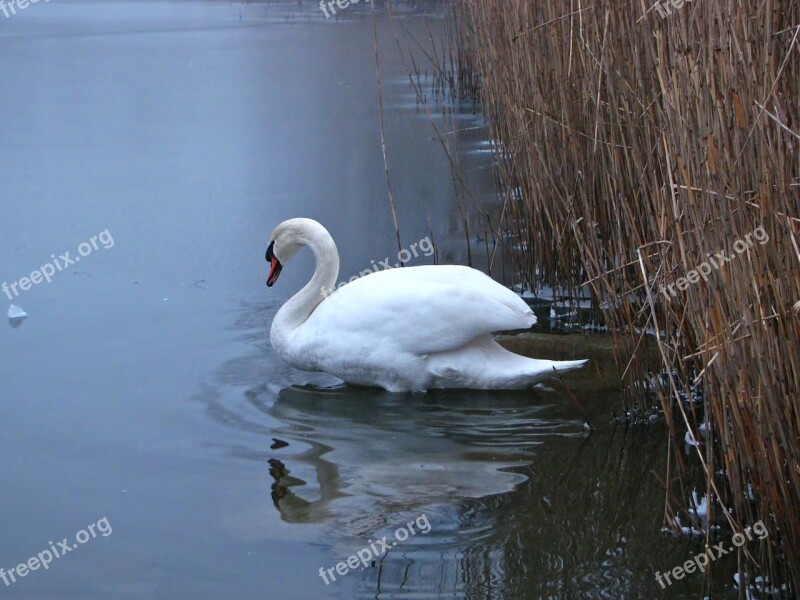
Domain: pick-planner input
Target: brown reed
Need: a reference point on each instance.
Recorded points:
(636, 147)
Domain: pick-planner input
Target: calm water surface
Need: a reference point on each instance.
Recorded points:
(142, 387)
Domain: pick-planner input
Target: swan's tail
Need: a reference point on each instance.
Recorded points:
(562, 366)
(484, 364)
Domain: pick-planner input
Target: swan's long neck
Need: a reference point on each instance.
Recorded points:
(297, 310)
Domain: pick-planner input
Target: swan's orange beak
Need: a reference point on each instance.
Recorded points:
(275, 265)
(274, 271)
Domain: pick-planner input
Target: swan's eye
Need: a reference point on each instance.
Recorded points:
(269, 255)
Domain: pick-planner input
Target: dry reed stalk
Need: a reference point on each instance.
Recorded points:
(392, 204)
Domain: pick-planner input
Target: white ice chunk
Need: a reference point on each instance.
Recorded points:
(15, 312)
(701, 504)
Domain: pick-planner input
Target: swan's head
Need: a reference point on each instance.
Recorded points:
(287, 239)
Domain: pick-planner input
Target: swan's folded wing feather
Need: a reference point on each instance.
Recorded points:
(422, 310)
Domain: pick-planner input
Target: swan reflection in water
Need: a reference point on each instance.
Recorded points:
(360, 455)
(516, 494)
(363, 462)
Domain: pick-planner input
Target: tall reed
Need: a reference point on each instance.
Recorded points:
(635, 146)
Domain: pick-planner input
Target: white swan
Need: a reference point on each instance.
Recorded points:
(406, 329)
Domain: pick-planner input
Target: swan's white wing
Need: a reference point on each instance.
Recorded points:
(420, 310)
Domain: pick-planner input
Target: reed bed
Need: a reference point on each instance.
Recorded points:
(633, 147)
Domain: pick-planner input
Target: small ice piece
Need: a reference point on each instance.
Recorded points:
(750, 492)
(701, 504)
(15, 312)
(552, 313)
(737, 578)
(16, 315)
(688, 531)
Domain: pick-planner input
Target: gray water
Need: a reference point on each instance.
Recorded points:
(142, 387)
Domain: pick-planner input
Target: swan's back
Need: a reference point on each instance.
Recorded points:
(421, 310)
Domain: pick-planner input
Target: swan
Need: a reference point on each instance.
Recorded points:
(405, 330)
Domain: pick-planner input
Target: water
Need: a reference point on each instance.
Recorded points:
(142, 387)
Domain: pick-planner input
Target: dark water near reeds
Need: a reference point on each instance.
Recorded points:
(142, 387)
